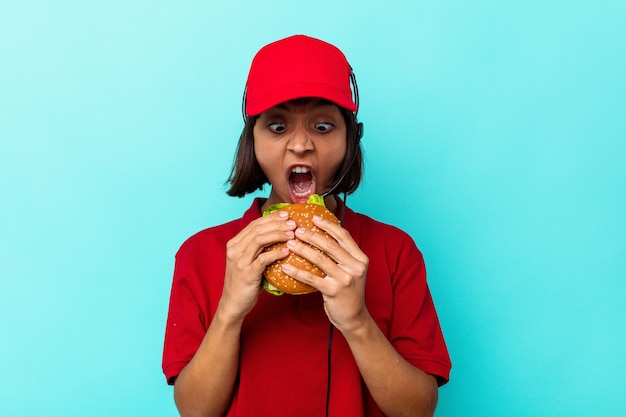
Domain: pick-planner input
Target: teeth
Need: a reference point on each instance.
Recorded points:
(300, 170)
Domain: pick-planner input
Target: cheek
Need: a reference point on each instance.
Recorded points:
(338, 152)
(266, 156)
(259, 150)
(333, 159)
(262, 158)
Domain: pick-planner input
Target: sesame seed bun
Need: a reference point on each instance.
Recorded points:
(302, 214)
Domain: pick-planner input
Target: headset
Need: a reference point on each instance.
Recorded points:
(359, 135)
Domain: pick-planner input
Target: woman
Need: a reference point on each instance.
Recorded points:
(368, 343)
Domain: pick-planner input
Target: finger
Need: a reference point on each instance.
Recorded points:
(263, 232)
(323, 285)
(251, 270)
(314, 255)
(333, 262)
(332, 284)
(341, 236)
(343, 251)
(269, 221)
(267, 258)
(262, 225)
(322, 242)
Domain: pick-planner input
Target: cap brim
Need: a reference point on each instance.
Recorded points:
(294, 91)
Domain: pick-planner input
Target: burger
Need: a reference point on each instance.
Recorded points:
(275, 281)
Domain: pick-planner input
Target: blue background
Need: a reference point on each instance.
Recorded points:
(494, 134)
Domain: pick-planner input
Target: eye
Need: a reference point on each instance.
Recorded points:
(324, 127)
(276, 127)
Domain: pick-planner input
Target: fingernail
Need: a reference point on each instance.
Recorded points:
(317, 218)
(300, 231)
(291, 243)
(291, 223)
(288, 268)
(283, 214)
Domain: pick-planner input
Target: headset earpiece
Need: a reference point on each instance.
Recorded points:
(355, 93)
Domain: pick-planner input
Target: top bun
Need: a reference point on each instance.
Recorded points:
(302, 214)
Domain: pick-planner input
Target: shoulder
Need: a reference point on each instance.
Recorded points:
(371, 230)
(370, 224)
(216, 237)
(383, 242)
(211, 236)
(206, 246)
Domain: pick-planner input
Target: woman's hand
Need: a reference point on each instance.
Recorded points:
(245, 261)
(345, 266)
(398, 387)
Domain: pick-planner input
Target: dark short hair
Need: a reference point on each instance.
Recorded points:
(246, 175)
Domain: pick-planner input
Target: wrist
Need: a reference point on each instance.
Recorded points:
(360, 327)
(228, 317)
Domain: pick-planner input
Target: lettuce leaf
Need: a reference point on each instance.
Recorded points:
(316, 199)
(274, 208)
(271, 289)
(313, 199)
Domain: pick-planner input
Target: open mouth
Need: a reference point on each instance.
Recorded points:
(301, 182)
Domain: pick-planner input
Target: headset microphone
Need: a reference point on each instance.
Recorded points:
(359, 135)
(349, 167)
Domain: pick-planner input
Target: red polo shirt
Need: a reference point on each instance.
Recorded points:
(283, 366)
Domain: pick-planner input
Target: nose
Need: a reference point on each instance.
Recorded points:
(300, 141)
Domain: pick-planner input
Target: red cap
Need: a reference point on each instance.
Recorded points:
(295, 67)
